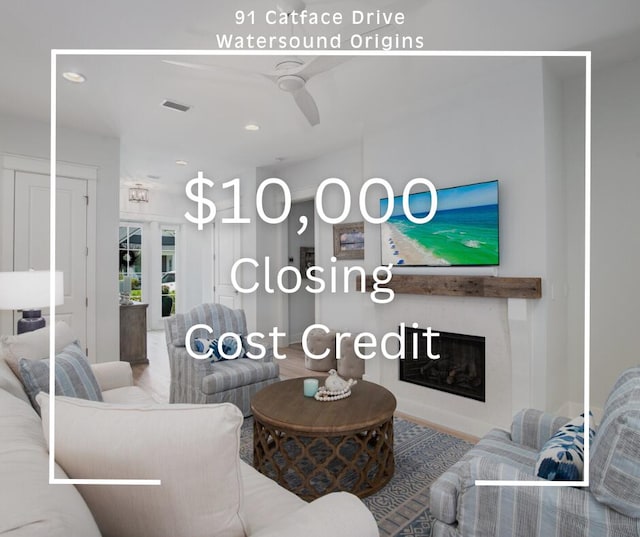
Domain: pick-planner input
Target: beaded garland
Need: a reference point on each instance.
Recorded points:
(327, 395)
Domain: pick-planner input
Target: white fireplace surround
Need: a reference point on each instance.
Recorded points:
(513, 341)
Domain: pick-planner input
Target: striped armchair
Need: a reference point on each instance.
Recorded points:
(610, 507)
(200, 381)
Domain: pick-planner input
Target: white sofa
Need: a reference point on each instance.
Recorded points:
(30, 506)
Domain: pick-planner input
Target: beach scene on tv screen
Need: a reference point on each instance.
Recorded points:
(464, 230)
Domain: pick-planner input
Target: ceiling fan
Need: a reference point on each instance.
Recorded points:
(290, 75)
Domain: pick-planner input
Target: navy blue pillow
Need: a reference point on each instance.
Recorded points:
(562, 456)
(229, 347)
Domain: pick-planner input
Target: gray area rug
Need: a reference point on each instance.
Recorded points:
(422, 454)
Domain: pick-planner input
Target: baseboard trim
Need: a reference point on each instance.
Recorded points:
(455, 423)
(295, 338)
(441, 428)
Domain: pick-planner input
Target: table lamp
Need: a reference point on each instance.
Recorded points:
(28, 291)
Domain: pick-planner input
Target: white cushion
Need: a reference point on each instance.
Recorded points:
(131, 395)
(112, 375)
(10, 383)
(33, 345)
(265, 502)
(193, 449)
(31, 507)
(338, 513)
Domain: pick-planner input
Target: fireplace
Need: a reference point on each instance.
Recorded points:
(459, 370)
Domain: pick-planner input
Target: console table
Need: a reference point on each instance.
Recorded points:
(133, 333)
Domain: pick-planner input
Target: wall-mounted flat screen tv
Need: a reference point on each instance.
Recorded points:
(463, 232)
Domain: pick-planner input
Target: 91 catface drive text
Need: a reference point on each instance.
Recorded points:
(322, 18)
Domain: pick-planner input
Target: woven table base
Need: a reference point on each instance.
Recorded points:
(360, 462)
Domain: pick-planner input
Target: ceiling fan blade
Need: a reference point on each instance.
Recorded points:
(220, 69)
(307, 105)
(188, 65)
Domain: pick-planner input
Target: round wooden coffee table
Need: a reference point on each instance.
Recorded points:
(313, 447)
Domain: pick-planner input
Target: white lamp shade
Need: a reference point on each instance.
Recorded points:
(28, 289)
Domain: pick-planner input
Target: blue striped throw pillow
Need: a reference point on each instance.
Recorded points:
(74, 377)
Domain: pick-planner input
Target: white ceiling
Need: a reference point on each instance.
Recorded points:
(122, 95)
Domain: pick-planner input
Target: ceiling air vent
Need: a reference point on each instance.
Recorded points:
(175, 106)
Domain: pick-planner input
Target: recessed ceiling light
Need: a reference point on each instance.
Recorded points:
(252, 127)
(76, 78)
(181, 162)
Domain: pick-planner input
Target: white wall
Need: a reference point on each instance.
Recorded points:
(573, 143)
(21, 136)
(556, 374)
(264, 310)
(493, 128)
(303, 178)
(615, 237)
(526, 129)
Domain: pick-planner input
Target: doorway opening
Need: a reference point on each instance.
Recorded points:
(301, 254)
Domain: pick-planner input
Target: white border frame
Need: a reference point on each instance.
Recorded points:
(441, 53)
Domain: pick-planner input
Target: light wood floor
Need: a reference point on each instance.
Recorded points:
(155, 377)
(293, 367)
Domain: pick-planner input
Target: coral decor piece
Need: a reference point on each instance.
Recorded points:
(335, 388)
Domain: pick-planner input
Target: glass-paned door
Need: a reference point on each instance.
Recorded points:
(130, 261)
(168, 268)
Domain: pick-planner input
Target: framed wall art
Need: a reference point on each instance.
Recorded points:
(348, 240)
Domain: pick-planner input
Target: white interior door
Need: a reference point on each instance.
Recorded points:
(31, 240)
(226, 253)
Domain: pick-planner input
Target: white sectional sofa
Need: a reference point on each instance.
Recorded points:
(31, 506)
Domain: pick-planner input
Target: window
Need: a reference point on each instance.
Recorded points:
(168, 267)
(130, 261)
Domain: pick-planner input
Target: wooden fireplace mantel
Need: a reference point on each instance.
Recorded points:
(480, 286)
